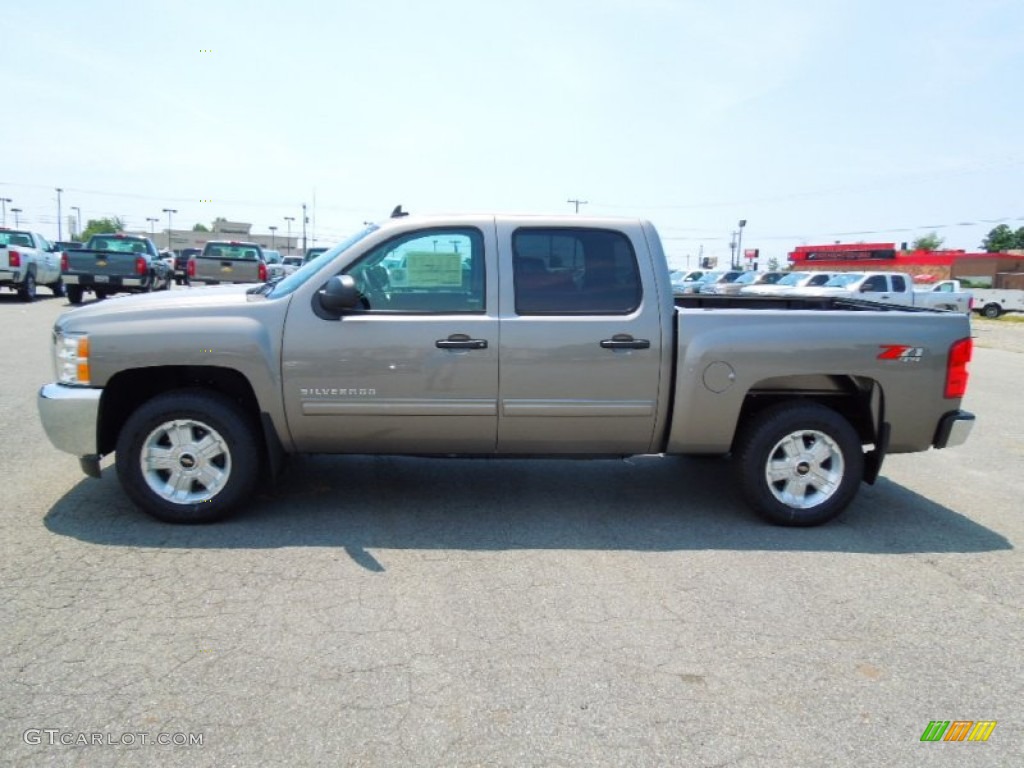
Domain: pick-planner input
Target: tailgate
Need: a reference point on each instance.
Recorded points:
(102, 264)
(226, 270)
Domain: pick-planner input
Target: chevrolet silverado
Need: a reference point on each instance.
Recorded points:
(500, 336)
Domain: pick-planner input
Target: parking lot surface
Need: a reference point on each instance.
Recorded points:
(398, 611)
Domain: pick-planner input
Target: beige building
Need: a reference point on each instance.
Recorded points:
(222, 230)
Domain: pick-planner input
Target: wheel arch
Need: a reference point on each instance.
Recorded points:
(128, 390)
(858, 399)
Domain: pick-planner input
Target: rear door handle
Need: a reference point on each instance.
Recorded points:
(625, 341)
(460, 341)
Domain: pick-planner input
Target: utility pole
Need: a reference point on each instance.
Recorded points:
(290, 219)
(305, 221)
(739, 244)
(169, 211)
(732, 250)
(577, 203)
(3, 204)
(272, 229)
(78, 212)
(152, 226)
(60, 224)
(16, 211)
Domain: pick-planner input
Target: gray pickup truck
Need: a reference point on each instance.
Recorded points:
(228, 261)
(500, 336)
(115, 263)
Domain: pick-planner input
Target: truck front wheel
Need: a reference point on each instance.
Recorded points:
(799, 464)
(188, 456)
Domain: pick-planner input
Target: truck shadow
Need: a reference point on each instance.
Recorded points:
(364, 503)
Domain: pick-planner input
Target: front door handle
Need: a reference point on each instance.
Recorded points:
(625, 341)
(460, 341)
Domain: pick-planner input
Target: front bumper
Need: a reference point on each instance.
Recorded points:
(954, 429)
(70, 417)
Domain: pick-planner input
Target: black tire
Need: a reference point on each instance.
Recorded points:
(216, 485)
(818, 477)
(58, 289)
(27, 290)
(101, 293)
(992, 311)
(74, 294)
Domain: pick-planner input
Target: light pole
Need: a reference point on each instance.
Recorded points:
(60, 224)
(152, 226)
(739, 243)
(3, 203)
(305, 221)
(78, 212)
(289, 219)
(16, 211)
(577, 203)
(272, 229)
(169, 211)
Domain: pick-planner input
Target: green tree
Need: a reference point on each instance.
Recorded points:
(1001, 238)
(929, 242)
(1019, 237)
(773, 264)
(200, 228)
(101, 227)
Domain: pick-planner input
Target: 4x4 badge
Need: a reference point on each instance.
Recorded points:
(901, 352)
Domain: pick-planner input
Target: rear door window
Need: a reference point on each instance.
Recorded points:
(574, 271)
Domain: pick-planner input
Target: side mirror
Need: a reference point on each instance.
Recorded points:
(340, 294)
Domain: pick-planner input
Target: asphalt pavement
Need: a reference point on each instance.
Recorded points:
(419, 612)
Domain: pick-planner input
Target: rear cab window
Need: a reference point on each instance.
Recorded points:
(232, 251)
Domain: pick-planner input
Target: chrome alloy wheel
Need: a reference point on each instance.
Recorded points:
(804, 469)
(185, 461)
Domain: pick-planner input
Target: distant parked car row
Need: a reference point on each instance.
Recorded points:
(883, 287)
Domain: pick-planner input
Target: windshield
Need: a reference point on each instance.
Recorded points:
(841, 281)
(310, 268)
(710, 277)
(820, 279)
(746, 278)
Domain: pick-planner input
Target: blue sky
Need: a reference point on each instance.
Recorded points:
(814, 120)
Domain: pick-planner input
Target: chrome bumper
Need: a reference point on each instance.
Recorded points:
(70, 416)
(954, 429)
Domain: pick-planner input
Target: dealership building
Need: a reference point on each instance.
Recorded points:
(179, 239)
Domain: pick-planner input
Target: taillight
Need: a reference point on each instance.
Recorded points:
(14, 259)
(64, 267)
(956, 368)
(190, 267)
(263, 272)
(141, 267)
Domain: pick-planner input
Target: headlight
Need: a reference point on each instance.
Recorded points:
(71, 358)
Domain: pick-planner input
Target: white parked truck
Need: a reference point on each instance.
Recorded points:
(889, 288)
(28, 259)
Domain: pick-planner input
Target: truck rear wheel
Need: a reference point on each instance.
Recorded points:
(27, 291)
(992, 311)
(188, 456)
(799, 464)
(74, 294)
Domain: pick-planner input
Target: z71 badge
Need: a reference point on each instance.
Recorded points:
(901, 352)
